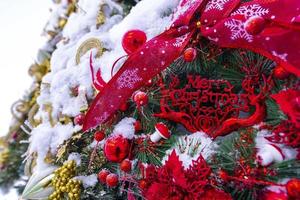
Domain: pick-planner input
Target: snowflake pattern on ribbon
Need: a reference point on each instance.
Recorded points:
(251, 11)
(102, 118)
(238, 30)
(128, 79)
(215, 4)
(281, 56)
(179, 41)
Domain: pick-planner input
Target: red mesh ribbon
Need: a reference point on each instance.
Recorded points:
(223, 23)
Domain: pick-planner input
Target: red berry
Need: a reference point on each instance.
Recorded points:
(112, 180)
(140, 98)
(133, 40)
(293, 188)
(124, 107)
(137, 126)
(143, 184)
(149, 83)
(255, 25)
(190, 54)
(125, 165)
(102, 175)
(116, 149)
(280, 73)
(223, 175)
(99, 136)
(79, 119)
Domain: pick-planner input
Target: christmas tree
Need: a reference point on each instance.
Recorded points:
(182, 99)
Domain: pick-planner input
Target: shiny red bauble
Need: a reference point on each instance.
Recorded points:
(133, 40)
(140, 98)
(137, 126)
(293, 188)
(280, 73)
(124, 107)
(99, 136)
(125, 165)
(189, 54)
(102, 175)
(255, 25)
(112, 180)
(79, 119)
(116, 148)
(143, 184)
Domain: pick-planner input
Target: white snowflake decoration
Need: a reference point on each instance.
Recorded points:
(102, 118)
(215, 4)
(281, 56)
(128, 79)
(238, 30)
(179, 41)
(251, 11)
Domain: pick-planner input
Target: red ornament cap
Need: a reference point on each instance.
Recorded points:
(189, 54)
(255, 25)
(133, 40)
(163, 130)
(99, 136)
(112, 180)
(125, 165)
(102, 175)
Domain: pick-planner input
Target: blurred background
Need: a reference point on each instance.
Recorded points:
(21, 22)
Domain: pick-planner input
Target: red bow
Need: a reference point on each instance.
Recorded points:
(223, 22)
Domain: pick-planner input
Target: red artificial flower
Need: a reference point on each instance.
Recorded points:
(289, 102)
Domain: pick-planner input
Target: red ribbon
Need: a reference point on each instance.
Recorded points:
(223, 23)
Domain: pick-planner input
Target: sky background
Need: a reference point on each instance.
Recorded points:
(21, 24)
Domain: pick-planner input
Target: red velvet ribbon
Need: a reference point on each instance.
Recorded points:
(223, 23)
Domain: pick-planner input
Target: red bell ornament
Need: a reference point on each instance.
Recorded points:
(255, 25)
(189, 54)
(112, 180)
(140, 98)
(293, 188)
(133, 40)
(116, 148)
(280, 73)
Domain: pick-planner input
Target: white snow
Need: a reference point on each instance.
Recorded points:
(125, 128)
(76, 157)
(88, 181)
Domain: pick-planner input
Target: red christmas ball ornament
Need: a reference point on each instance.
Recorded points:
(296, 103)
(140, 98)
(112, 180)
(102, 175)
(270, 195)
(116, 148)
(223, 175)
(124, 107)
(137, 126)
(79, 119)
(149, 83)
(280, 73)
(125, 165)
(133, 40)
(293, 188)
(99, 136)
(189, 54)
(143, 184)
(255, 25)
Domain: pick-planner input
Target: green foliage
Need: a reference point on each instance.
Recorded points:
(274, 114)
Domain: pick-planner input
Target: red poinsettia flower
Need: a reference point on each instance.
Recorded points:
(289, 102)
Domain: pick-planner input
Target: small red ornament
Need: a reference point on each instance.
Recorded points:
(140, 98)
(280, 73)
(223, 175)
(102, 175)
(124, 107)
(133, 40)
(79, 119)
(255, 25)
(116, 148)
(293, 188)
(270, 195)
(99, 136)
(137, 126)
(149, 83)
(112, 180)
(143, 184)
(190, 54)
(161, 131)
(125, 165)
